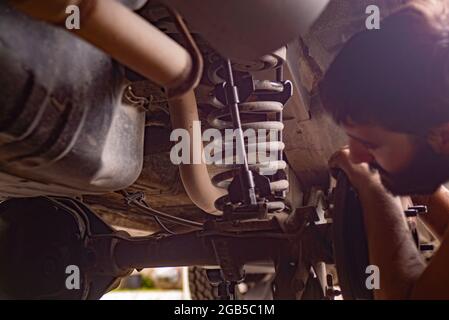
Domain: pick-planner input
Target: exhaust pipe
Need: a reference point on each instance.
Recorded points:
(140, 46)
(124, 35)
(195, 177)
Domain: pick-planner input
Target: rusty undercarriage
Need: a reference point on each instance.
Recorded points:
(88, 136)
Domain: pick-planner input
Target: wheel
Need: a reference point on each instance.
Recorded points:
(256, 286)
(199, 285)
(349, 242)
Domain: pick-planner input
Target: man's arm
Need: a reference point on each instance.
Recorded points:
(390, 244)
(434, 281)
(403, 273)
(437, 218)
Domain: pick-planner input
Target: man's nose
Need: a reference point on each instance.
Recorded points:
(359, 153)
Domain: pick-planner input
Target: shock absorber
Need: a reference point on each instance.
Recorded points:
(256, 184)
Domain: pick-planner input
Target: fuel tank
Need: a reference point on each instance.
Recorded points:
(64, 129)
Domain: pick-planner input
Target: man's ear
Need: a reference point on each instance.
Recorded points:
(438, 138)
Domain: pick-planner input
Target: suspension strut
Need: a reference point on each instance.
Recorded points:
(255, 187)
(246, 178)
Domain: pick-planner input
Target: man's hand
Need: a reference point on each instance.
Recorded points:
(360, 175)
(390, 243)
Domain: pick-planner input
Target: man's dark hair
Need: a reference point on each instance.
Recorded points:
(396, 77)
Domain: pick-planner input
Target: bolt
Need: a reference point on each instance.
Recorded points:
(332, 293)
(420, 209)
(410, 213)
(426, 247)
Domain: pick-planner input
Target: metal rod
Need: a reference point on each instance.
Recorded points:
(280, 118)
(190, 249)
(123, 34)
(246, 176)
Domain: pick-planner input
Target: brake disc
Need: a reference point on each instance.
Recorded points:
(349, 241)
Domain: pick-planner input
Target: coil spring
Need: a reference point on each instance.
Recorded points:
(256, 113)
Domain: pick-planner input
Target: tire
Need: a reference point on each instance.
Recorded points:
(350, 244)
(258, 286)
(199, 285)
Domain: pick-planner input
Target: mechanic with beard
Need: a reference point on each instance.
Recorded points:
(389, 90)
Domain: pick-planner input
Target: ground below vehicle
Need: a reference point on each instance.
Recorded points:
(85, 145)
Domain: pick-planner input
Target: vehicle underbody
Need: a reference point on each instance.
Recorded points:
(87, 179)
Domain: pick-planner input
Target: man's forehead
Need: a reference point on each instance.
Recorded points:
(375, 135)
(367, 133)
(360, 129)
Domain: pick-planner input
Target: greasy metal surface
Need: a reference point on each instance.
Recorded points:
(309, 142)
(40, 237)
(251, 28)
(161, 183)
(160, 180)
(310, 135)
(63, 128)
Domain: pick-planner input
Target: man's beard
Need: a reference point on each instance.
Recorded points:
(426, 172)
